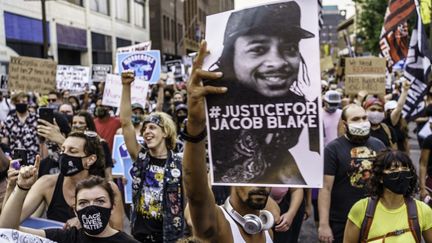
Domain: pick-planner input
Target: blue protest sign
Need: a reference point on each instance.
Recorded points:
(123, 164)
(146, 64)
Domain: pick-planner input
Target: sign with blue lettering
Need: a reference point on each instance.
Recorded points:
(146, 64)
(123, 164)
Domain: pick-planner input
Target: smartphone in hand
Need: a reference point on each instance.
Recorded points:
(46, 114)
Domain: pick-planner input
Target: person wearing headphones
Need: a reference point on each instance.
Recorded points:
(241, 218)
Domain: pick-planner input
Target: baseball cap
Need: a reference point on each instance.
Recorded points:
(137, 106)
(181, 107)
(390, 105)
(279, 18)
(332, 96)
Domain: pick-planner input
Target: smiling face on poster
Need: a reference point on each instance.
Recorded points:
(269, 57)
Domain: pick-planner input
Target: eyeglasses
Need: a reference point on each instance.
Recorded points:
(51, 100)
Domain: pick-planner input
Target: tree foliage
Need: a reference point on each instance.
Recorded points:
(370, 22)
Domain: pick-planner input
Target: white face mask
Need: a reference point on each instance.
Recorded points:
(375, 117)
(359, 129)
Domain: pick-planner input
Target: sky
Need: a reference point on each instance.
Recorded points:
(342, 4)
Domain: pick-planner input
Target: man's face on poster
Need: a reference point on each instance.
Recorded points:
(267, 64)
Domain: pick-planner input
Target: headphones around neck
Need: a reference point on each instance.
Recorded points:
(251, 223)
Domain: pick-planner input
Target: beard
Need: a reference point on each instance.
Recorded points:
(257, 205)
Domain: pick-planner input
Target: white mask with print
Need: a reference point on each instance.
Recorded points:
(359, 129)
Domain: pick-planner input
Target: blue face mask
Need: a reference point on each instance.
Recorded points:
(136, 119)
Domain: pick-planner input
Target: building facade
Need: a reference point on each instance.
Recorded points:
(332, 17)
(177, 26)
(80, 32)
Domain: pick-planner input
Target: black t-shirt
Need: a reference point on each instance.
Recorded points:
(149, 208)
(427, 144)
(400, 135)
(351, 166)
(78, 236)
(382, 135)
(3, 174)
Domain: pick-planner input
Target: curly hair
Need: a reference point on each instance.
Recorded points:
(385, 159)
(93, 146)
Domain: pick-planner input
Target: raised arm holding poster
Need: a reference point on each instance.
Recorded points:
(266, 129)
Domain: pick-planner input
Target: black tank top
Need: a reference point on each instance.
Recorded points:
(59, 209)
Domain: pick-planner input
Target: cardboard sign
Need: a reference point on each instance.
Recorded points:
(73, 78)
(32, 74)
(113, 90)
(373, 84)
(146, 64)
(123, 164)
(100, 71)
(326, 63)
(365, 73)
(365, 65)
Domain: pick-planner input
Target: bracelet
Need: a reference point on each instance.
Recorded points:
(193, 139)
(23, 189)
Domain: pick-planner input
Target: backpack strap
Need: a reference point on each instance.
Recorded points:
(413, 221)
(367, 220)
(388, 132)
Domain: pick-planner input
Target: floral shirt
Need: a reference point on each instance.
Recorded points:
(22, 135)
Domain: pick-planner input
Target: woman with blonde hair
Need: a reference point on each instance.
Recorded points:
(156, 172)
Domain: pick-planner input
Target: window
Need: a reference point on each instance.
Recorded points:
(100, 6)
(165, 27)
(173, 30)
(102, 48)
(122, 10)
(77, 2)
(140, 14)
(179, 32)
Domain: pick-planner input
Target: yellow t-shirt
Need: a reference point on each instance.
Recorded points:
(388, 220)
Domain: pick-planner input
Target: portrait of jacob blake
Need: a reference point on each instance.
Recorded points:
(262, 64)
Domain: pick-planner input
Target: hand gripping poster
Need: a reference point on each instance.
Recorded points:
(266, 130)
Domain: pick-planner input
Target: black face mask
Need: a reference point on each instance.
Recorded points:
(94, 219)
(70, 165)
(398, 182)
(21, 108)
(176, 103)
(180, 119)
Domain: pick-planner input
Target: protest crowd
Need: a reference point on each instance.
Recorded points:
(244, 149)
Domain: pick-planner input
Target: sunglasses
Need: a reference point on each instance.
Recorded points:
(52, 100)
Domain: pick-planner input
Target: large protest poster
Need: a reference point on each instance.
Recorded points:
(32, 74)
(146, 64)
(100, 71)
(123, 164)
(73, 78)
(365, 73)
(266, 129)
(113, 90)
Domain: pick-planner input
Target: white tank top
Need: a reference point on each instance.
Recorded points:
(237, 237)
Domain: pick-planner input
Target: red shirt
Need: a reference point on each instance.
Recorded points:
(107, 129)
